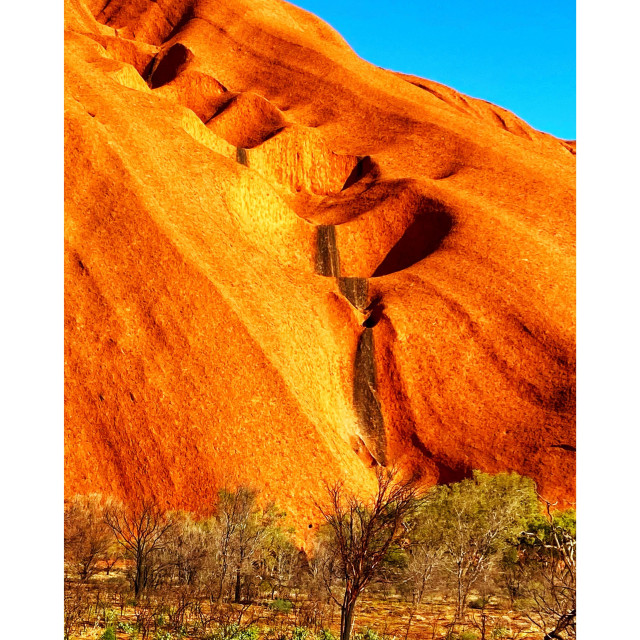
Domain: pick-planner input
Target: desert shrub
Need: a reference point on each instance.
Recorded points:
(478, 603)
(76, 605)
(368, 634)
(498, 633)
(233, 632)
(523, 604)
(546, 570)
(281, 606)
(251, 633)
(464, 635)
(110, 618)
(301, 633)
(477, 519)
(87, 539)
(127, 627)
(162, 634)
(109, 634)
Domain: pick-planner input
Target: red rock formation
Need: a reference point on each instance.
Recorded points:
(284, 264)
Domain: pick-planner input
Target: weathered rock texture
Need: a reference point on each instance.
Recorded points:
(286, 265)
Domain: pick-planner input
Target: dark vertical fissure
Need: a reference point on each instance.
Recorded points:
(327, 258)
(241, 156)
(365, 397)
(355, 290)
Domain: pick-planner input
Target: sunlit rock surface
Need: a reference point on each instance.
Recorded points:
(285, 265)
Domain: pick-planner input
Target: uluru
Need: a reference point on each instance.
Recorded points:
(285, 265)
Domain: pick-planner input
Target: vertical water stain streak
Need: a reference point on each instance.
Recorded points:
(327, 258)
(241, 156)
(355, 290)
(365, 397)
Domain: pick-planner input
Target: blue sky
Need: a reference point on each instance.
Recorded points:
(519, 54)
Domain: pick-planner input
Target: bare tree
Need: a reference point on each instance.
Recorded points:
(548, 561)
(322, 567)
(141, 531)
(185, 549)
(278, 558)
(423, 556)
(363, 533)
(236, 519)
(75, 606)
(87, 538)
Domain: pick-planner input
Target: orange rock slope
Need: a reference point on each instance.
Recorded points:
(285, 265)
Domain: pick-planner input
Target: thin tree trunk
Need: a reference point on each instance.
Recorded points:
(223, 574)
(238, 577)
(562, 625)
(137, 583)
(236, 598)
(346, 616)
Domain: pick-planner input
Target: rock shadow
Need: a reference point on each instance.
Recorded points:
(363, 167)
(421, 238)
(169, 67)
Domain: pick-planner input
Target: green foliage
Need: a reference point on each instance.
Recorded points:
(368, 634)
(458, 533)
(110, 617)
(251, 633)
(478, 603)
(540, 529)
(281, 606)
(474, 521)
(396, 558)
(464, 635)
(523, 604)
(233, 632)
(127, 627)
(485, 508)
(109, 634)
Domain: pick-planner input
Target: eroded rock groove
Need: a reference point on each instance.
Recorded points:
(327, 259)
(241, 156)
(355, 290)
(365, 397)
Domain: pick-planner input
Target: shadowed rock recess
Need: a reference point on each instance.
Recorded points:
(285, 265)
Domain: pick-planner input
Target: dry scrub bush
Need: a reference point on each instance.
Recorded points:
(547, 566)
(476, 520)
(479, 542)
(88, 540)
(362, 534)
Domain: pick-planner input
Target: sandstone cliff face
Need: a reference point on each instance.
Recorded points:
(285, 265)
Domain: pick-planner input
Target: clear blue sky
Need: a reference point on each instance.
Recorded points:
(518, 54)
